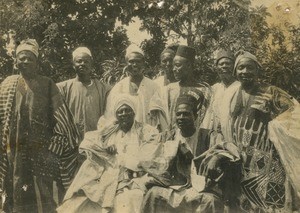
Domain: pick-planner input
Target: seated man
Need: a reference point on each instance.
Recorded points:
(180, 148)
(113, 178)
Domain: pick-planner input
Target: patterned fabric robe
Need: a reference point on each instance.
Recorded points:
(245, 122)
(38, 136)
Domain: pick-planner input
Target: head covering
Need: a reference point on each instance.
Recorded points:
(172, 48)
(80, 50)
(191, 97)
(29, 45)
(244, 54)
(122, 99)
(224, 54)
(133, 49)
(186, 52)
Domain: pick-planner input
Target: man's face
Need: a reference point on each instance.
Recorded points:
(166, 61)
(135, 64)
(247, 72)
(125, 116)
(181, 68)
(83, 64)
(27, 63)
(184, 116)
(225, 68)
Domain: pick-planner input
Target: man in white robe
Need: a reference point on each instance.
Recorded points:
(114, 178)
(224, 62)
(135, 84)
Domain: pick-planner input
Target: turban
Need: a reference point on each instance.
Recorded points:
(192, 97)
(223, 54)
(170, 49)
(244, 54)
(133, 49)
(29, 45)
(186, 52)
(81, 50)
(122, 99)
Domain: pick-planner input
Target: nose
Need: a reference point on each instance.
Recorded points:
(26, 61)
(168, 63)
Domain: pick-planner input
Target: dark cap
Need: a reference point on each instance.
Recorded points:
(192, 97)
(224, 54)
(186, 52)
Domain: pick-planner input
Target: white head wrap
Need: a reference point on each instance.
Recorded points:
(29, 45)
(134, 49)
(244, 54)
(81, 50)
(122, 99)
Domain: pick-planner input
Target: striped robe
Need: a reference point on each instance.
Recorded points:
(37, 134)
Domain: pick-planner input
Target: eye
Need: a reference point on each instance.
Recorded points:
(240, 67)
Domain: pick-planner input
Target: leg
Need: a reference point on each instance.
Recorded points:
(156, 200)
(45, 187)
(129, 201)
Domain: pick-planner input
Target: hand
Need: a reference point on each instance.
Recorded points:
(213, 168)
(112, 150)
(262, 102)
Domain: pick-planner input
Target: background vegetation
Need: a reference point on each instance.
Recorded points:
(60, 26)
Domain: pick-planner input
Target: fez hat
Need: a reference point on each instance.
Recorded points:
(186, 52)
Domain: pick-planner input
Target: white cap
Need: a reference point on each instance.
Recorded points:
(134, 49)
(81, 50)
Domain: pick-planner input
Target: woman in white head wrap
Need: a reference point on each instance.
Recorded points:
(112, 176)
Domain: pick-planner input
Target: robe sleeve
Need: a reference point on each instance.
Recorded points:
(64, 141)
(285, 135)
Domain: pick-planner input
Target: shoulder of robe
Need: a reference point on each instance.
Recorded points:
(10, 79)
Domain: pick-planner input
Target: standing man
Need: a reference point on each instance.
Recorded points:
(166, 62)
(85, 97)
(261, 120)
(135, 84)
(183, 68)
(224, 63)
(39, 140)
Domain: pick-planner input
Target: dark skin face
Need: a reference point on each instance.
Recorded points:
(125, 117)
(247, 73)
(185, 119)
(135, 65)
(182, 69)
(83, 65)
(27, 64)
(224, 70)
(166, 61)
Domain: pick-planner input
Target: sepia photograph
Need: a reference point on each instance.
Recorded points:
(149, 106)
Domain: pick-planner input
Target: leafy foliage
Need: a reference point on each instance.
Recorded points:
(60, 26)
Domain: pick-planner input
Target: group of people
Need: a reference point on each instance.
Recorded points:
(172, 144)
